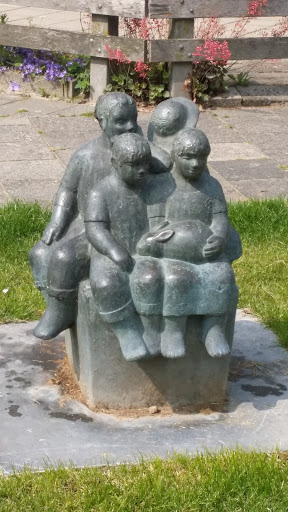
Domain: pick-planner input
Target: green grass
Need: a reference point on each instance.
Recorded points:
(227, 482)
(21, 226)
(261, 272)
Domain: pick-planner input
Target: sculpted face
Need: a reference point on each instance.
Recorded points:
(133, 173)
(122, 120)
(191, 165)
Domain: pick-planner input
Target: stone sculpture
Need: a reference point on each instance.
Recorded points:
(136, 261)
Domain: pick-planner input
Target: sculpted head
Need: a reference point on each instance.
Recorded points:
(191, 149)
(131, 157)
(116, 113)
(168, 118)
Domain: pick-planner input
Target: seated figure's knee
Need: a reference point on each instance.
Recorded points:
(148, 274)
(38, 254)
(104, 283)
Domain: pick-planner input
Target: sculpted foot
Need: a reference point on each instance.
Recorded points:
(129, 333)
(172, 338)
(214, 337)
(59, 315)
(152, 336)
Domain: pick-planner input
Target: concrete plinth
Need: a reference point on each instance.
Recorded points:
(108, 380)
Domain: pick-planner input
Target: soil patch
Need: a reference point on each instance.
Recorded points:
(65, 378)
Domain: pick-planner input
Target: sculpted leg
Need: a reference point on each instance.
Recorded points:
(173, 336)
(147, 291)
(39, 257)
(111, 290)
(68, 264)
(214, 336)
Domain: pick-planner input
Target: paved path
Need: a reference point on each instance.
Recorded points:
(38, 136)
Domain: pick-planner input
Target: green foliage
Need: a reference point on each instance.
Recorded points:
(3, 19)
(230, 481)
(151, 88)
(82, 79)
(241, 78)
(206, 79)
(43, 92)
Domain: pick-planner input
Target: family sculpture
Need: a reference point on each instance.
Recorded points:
(147, 224)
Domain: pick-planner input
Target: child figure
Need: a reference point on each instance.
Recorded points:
(182, 267)
(115, 219)
(168, 118)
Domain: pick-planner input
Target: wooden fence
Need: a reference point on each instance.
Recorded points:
(178, 49)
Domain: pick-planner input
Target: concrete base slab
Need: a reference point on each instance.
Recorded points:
(38, 426)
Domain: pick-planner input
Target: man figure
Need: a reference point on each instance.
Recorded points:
(61, 259)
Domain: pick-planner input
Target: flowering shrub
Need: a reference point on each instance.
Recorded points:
(144, 82)
(53, 66)
(208, 73)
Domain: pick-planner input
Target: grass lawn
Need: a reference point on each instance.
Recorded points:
(261, 273)
(229, 482)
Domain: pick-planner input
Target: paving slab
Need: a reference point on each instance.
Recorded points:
(5, 99)
(4, 197)
(234, 151)
(33, 107)
(250, 170)
(20, 133)
(217, 130)
(24, 150)
(47, 428)
(67, 132)
(31, 170)
(260, 189)
(231, 193)
(14, 121)
(64, 156)
(30, 190)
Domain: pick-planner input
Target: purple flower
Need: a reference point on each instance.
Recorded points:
(14, 86)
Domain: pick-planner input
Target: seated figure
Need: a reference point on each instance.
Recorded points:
(61, 259)
(115, 219)
(183, 266)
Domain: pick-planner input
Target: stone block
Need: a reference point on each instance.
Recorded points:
(109, 381)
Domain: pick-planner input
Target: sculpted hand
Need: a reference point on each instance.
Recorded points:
(214, 247)
(52, 233)
(122, 258)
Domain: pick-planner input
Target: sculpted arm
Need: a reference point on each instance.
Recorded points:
(65, 203)
(219, 226)
(97, 225)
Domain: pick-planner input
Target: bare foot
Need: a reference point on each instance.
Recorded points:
(128, 332)
(172, 338)
(216, 343)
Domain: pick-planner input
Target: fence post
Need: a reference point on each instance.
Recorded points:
(99, 68)
(180, 29)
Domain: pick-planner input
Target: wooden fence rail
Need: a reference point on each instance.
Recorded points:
(130, 8)
(177, 50)
(212, 8)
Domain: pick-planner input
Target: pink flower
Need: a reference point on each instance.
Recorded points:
(141, 68)
(213, 51)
